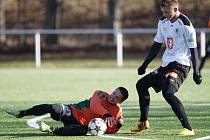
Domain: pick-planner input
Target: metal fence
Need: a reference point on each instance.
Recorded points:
(117, 33)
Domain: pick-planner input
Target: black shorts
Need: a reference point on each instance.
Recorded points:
(156, 79)
(64, 114)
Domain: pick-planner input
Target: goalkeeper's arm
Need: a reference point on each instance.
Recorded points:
(114, 128)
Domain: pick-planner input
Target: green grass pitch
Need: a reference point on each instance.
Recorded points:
(26, 87)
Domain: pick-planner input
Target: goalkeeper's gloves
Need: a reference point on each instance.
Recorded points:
(110, 121)
(120, 123)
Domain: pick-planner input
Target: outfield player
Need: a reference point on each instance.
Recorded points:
(203, 60)
(177, 33)
(76, 117)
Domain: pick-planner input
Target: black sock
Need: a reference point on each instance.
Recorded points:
(71, 130)
(22, 114)
(36, 110)
(178, 109)
(168, 93)
(144, 102)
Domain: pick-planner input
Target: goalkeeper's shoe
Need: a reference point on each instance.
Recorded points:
(12, 111)
(44, 127)
(186, 132)
(140, 126)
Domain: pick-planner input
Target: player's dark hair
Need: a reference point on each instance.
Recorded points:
(168, 2)
(124, 92)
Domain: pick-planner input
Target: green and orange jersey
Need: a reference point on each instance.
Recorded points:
(96, 107)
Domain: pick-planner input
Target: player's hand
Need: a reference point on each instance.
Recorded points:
(142, 70)
(197, 78)
(110, 121)
(120, 123)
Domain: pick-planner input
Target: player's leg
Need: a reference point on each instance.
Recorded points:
(54, 109)
(71, 130)
(171, 87)
(67, 117)
(142, 86)
(144, 97)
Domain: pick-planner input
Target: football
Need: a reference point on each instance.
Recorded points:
(97, 126)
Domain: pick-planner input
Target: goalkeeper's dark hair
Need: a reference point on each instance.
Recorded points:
(124, 92)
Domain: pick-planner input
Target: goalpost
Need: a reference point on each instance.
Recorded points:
(37, 50)
(203, 43)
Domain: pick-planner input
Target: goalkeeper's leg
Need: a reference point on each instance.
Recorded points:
(54, 109)
(71, 130)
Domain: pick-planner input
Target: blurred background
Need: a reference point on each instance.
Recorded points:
(84, 14)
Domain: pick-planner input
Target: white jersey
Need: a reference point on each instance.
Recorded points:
(178, 36)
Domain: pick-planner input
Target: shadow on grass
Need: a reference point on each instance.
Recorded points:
(146, 132)
(23, 134)
(128, 134)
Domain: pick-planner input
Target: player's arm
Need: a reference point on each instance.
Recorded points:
(196, 74)
(115, 127)
(152, 54)
(190, 38)
(158, 40)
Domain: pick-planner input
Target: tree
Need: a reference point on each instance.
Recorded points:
(114, 16)
(2, 21)
(195, 10)
(20, 10)
(157, 8)
(53, 19)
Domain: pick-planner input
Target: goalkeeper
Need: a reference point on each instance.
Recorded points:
(75, 117)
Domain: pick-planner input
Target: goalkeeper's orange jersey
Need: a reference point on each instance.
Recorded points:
(96, 107)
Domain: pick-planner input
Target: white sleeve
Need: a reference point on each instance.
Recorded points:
(159, 37)
(190, 36)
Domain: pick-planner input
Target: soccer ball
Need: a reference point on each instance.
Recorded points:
(97, 126)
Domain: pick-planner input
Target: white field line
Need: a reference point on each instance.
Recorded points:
(203, 138)
(164, 106)
(122, 138)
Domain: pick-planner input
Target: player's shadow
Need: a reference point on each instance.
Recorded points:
(138, 134)
(126, 134)
(23, 135)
